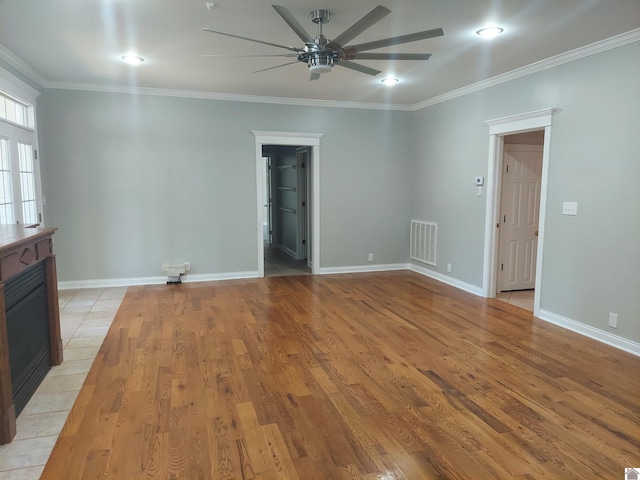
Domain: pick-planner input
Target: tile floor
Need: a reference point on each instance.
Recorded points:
(85, 318)
(278, 264)
(519, 298)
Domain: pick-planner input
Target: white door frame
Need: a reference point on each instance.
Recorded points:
(296, 139)
(498, 128)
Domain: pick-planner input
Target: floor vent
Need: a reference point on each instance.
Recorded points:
(423, 241)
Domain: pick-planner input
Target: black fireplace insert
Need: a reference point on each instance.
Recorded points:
(28, 332)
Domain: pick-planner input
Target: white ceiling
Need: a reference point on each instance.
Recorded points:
(80, 42)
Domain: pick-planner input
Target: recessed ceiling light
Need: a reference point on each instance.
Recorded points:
(390, 82)
(132, 59)
(490, 32)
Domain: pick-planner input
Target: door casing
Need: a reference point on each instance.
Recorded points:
(296, 139)
(498, 129)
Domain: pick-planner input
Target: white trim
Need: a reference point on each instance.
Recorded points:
(17, 63)
(129, 282)
(522, 122)
(454, 282)
(286, 138)
(229, 97)
(499, 127)
(19, 89)
(288, 251)
(591, 332)
(214, 277)
(389, 267)
(25, 93)
(296, 139)
(566, 57)
(581, 52)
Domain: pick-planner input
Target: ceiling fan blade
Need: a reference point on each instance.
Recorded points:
(314, 76)
(293, 49)
(292, 55)
(358, 68)
(389, 56)
(277, 66)
(288, 17)
(371, 18)
(387, 42)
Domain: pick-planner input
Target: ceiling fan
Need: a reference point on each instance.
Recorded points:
(322, 54)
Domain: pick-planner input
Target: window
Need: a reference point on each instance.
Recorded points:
(6, 195)
(20, 197)
(15, 111)
(27, 183)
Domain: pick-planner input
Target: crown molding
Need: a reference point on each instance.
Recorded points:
(304, 102)
(576, 54)
(17, 88)
(570, 56)
(17, 63)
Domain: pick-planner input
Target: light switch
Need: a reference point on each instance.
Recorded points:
(570, 208)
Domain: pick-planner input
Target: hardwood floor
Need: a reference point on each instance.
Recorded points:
(385, 375)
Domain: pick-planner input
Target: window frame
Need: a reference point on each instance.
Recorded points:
(23, 94)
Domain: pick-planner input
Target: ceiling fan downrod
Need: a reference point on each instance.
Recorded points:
(320, 60)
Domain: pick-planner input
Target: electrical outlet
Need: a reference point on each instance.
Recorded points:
(570, 208)
(613, 320)
(187, 266)
(371, 257)
(448, 268)
(165, 267)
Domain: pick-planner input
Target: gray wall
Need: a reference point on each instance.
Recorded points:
(591, 263)
(135, 181)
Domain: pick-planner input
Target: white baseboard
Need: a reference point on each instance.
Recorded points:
(564, 322)
(454, 282)
(288, 251)
(591, 332)
(363, 268)
(129, 282)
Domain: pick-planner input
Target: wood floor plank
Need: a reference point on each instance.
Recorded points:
(356, 376)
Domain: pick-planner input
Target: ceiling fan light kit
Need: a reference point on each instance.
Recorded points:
(319, 63)
(321, 54)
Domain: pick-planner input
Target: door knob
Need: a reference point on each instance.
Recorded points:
(536, 234)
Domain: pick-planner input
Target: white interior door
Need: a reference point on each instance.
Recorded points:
(519, 216)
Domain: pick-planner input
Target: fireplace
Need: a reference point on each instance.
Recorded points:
(30, 341)
(28, 332)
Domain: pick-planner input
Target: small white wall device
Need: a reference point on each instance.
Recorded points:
(479, 181)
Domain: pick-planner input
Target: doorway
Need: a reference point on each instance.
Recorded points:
(311, 140)
(500, 128)
(519, 215)
(286, 233)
